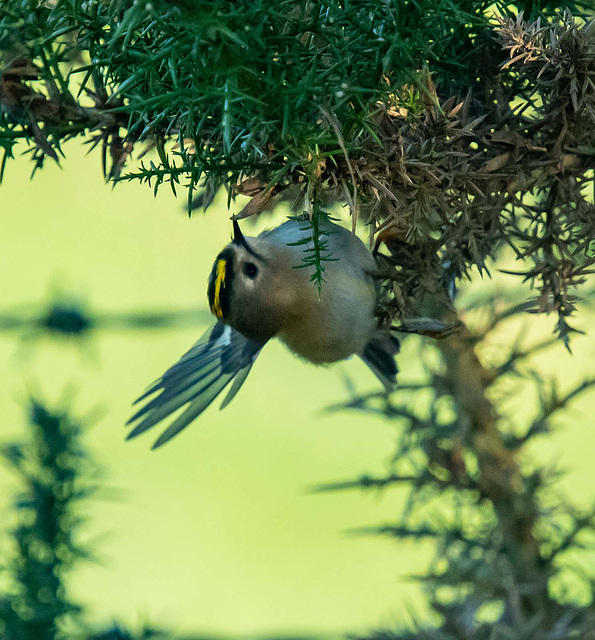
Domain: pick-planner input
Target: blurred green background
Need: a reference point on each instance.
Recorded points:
(217, 531)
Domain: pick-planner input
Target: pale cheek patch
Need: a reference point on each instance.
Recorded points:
(249, 284)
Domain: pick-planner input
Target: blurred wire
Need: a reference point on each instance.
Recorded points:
(73, 319)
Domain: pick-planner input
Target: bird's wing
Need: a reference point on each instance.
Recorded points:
(198, 377)
(379, 355)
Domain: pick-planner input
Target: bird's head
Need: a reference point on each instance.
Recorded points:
(250, 286)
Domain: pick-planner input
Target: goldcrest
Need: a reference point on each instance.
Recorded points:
(258, 292)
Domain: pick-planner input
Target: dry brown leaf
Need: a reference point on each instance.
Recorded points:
(256, 205)
(496, 163)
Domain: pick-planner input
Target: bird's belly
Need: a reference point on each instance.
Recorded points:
(321, 352)
(320, 343)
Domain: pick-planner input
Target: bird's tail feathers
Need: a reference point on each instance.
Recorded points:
(379, 354)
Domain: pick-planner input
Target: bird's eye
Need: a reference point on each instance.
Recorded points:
(250, 270)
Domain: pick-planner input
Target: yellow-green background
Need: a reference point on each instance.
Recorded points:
(216, 531)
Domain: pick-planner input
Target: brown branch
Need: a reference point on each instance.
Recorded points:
(499, 478)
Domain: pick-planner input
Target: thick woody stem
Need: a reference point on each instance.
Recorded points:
(499, 477)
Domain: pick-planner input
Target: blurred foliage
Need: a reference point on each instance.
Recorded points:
(506, 539)
(455, 130)
(56, 476)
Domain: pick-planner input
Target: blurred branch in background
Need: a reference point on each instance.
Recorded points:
(506, 540)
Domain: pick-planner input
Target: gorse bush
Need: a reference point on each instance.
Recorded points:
(454, 129)
(457, 134)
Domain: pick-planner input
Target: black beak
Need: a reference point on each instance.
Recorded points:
(238, 236)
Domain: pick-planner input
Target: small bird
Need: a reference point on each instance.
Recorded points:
(258, 292)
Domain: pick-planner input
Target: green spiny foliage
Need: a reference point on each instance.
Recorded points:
(316, 245)
(417, 117)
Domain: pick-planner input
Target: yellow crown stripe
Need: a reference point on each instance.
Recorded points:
(219, 280)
